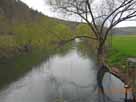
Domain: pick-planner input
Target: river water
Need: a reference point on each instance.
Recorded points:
(63, 78)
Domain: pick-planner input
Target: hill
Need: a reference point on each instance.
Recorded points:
(16, 10)
(124, 30)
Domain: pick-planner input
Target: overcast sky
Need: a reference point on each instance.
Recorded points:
(41, 6)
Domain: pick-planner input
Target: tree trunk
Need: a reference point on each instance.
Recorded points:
(100, 55)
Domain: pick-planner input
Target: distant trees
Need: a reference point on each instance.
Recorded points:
(100, 15)
(13, 12)
(16, 10)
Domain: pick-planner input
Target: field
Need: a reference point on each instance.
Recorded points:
(123, 46)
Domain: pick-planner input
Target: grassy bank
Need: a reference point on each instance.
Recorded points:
(122, 48)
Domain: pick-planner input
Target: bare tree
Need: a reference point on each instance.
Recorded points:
(100, 15)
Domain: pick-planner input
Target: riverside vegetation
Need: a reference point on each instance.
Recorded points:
(27, 38)
(26, 34)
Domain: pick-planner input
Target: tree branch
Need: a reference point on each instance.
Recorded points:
(123, 4)
(92, 16)
(63, 42)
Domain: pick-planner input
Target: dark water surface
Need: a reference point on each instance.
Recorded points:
(70, 77)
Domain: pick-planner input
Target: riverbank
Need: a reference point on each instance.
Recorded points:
(23, 37)
(127, 78)
(26, 44)
(123, 47)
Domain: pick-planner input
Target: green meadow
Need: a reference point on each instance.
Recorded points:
(125, 44)
(123, 47)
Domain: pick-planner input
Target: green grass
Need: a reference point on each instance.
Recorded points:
(123, 46)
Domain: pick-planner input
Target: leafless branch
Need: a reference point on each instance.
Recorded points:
(114, 12)
(63, 42)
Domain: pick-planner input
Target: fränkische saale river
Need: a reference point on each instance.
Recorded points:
(67, 77)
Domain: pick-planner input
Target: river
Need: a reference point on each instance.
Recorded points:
(70, 77)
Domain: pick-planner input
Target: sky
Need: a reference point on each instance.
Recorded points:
(43, 7)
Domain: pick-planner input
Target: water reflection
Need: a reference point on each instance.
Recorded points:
(114, 89)
(70, 78)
